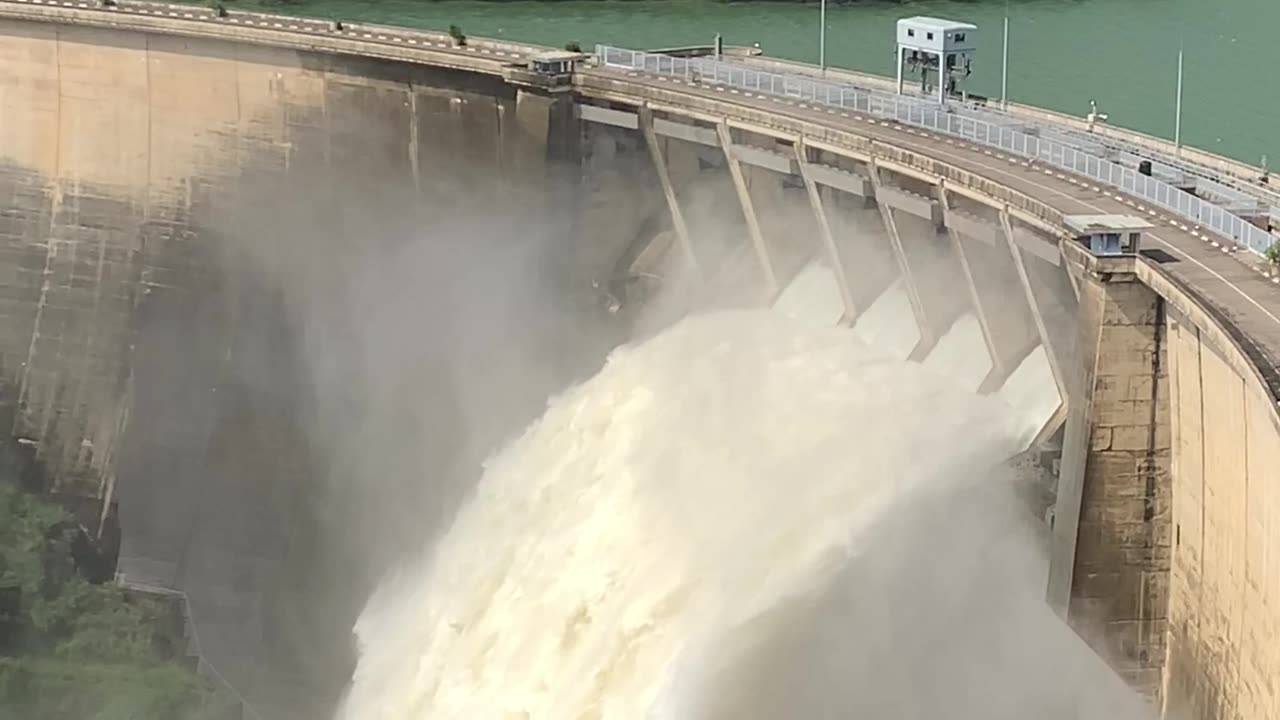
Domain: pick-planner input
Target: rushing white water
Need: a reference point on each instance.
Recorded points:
(700, 480)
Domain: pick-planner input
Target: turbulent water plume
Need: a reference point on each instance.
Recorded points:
(650, 546)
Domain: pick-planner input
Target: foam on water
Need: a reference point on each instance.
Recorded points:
(812, 296)
(699, 480)
(1031, 392)
(889, 323)
(961, 353)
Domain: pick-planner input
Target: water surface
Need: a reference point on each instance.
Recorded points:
(1122, 53)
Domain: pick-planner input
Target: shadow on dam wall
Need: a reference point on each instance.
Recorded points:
(313, 292)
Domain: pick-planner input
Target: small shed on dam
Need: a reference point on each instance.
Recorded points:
(1108, 234)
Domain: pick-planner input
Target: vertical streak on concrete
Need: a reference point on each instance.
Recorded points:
(413, 140)
(325, 125)
(824, 232)
(1071, 269)
(88, 353)
(748, 211)
(927, 336)
(1242, 610)
(107, 490)
(146, 193)
(51, 252)
(664, 178)
(1052, 351)
(1153, 414)
(1152, 619)
(502, 185)
(47, 415)
(1175, 364)
(998, 363)
(51, 248)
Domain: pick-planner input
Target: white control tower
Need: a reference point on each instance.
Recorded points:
(928, 44)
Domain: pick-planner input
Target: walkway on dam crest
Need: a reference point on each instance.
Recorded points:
(1209, 267)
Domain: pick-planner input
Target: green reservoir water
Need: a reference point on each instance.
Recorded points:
(1122, 53)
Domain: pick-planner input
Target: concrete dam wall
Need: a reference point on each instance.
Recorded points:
(222, 261)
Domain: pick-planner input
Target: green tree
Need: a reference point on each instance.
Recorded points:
(74, 650)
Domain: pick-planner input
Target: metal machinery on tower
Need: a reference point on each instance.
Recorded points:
(932, 45)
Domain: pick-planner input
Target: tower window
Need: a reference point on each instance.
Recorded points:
(928, 36)
(911, 33)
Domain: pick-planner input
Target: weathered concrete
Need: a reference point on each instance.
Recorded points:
(1223, 588)
(108, 149)
(169, 209)
(1173, 528)
(1120, 569)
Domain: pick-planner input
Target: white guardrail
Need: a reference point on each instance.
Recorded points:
(1224, 186)
(920, 113)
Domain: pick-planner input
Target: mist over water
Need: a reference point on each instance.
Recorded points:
(725, 522)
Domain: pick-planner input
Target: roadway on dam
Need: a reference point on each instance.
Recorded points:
(1201, 262)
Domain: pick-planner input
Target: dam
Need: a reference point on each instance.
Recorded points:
(208, 217)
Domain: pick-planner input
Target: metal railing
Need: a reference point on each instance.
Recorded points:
(224, 700)
(1225, 187)
(923, 114)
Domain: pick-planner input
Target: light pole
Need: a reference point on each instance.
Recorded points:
(1177, 112)
(1004, 63)
(822, 39)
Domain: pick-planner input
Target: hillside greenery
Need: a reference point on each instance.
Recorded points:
(74, 650)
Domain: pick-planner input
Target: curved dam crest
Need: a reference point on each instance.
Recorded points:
(222, 261)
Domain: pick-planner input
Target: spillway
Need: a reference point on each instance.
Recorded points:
(654, 545)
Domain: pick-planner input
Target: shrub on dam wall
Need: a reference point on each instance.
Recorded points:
(70, 648)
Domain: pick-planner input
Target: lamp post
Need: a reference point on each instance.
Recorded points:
(822, 39)
(1177, 111)
(1004, 63)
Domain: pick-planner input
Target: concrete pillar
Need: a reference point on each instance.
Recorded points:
(824, 233)
(749, 212)
(999, 364)
(927, 338)
(1055, 348)
(914, 221)
(664, 178)
(1110, 558)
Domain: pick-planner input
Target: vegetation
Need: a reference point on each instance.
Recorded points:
(1273, 254)
(455, 32)
(573, 46)
(71, 649)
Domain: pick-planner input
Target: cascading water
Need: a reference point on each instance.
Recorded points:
(623, 552)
